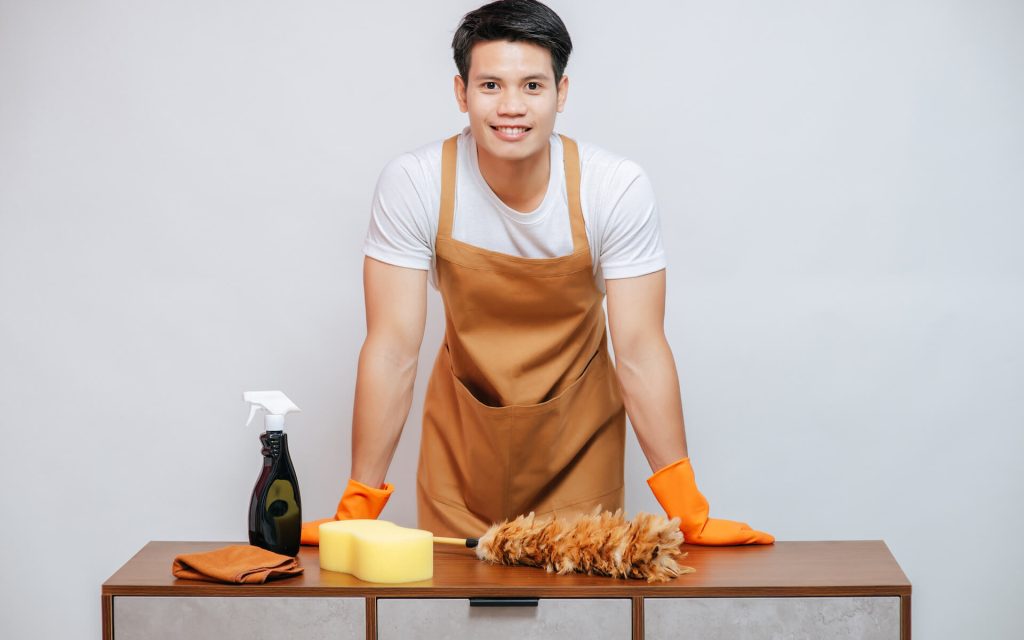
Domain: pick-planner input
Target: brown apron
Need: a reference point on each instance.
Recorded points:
(523, 410)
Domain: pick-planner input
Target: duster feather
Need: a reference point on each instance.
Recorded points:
(595, 543)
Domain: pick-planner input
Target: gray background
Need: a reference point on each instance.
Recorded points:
(184, 192)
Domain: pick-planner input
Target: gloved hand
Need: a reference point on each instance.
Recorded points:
(676, 490)
(358, 502)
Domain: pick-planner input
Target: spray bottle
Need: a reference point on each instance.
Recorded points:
(275, 511)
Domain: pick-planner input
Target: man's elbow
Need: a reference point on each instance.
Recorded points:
(634, 354)
(402, 356)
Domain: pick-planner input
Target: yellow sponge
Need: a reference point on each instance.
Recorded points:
(377, 550)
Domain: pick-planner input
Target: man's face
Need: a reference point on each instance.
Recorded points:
(511, 83)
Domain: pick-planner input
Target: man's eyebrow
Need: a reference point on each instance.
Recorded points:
(535, 76)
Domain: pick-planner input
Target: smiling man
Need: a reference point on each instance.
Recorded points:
(523, 231)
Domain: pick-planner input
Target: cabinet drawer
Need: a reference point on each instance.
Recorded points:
(241, 618)
(863, 618)
(431, 618)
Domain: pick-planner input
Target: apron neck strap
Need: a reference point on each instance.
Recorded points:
(448, 167)
(571, 162)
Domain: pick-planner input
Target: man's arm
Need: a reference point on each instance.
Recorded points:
(650, 385)
(646, 367)
(396, 310)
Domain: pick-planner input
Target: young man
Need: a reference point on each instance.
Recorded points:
(523, 232)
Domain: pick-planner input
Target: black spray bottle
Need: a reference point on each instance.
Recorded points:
(275, 511)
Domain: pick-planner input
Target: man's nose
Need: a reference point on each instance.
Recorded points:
(512, 104)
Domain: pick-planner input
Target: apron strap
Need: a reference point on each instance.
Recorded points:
(448, 173)
(571, 161)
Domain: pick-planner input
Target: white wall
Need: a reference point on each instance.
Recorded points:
(184, 191)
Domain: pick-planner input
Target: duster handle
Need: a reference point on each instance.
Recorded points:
(461, 542)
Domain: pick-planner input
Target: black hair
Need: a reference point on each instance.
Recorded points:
(513, 20)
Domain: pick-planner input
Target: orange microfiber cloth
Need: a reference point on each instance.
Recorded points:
(236, 563)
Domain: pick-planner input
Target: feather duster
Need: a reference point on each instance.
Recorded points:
(595, 543)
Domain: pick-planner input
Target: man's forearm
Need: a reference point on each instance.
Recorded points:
(383, 396)
(650, 391)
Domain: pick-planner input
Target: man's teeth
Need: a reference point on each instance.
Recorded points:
(510, 131)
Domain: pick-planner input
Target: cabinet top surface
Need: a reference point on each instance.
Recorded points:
(814, 568)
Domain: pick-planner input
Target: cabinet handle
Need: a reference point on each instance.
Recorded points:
(503, 602)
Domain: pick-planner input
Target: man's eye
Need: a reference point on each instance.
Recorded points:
(535, 85)
(487, 85)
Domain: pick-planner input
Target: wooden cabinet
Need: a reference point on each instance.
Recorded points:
(850, 618)
(788, 590)
(530, 619)
(227, 618)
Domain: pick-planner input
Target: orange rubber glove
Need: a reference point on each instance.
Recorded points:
(676, 490)
(359, 502)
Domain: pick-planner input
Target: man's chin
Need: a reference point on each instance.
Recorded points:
(500, 149)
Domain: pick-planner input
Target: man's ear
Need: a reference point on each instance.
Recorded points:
(563, 92)
(460, 94)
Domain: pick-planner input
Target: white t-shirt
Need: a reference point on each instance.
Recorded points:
(619, 212)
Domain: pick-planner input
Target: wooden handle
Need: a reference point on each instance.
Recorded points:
(460, 542)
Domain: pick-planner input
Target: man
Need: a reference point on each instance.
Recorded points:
(523, 232)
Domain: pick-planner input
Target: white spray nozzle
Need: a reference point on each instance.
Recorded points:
(275, 403)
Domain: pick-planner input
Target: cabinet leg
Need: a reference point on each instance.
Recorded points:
(107, 613)
(905, 617)
(638, 618)
(371, 618)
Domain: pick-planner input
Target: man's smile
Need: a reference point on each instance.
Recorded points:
(510, 133)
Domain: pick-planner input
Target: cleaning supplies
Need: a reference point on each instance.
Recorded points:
(235, 564)
(596, 543)
(377, 550)
(676, 490)
(275, 511)
(359, 501)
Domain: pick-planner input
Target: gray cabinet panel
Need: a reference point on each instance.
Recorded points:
(432, 618)
(846, 618)
(238, 618)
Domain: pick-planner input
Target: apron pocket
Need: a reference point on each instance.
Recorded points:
(526, 456)
(464, 392)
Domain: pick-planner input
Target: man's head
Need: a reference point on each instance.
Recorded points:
(511, 56)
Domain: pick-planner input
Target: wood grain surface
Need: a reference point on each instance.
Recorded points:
(796, 568)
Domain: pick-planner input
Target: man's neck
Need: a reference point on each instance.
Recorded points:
(520, 184)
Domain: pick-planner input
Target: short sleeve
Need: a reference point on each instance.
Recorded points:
(631, 244)
(399, 231)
